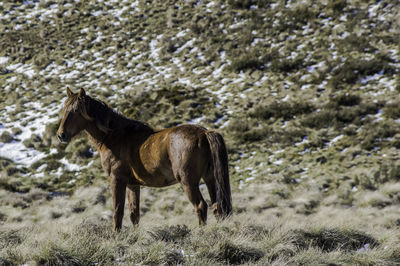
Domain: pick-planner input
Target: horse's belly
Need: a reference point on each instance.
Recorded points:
(159, 177)
(156, 168)
(156, 182)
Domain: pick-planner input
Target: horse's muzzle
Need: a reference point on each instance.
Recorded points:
(63, 138)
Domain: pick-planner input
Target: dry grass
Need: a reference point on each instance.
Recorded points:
(233, 241)
(277, 235)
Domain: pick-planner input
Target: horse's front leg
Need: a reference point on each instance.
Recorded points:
(133, 200)
(118, 188)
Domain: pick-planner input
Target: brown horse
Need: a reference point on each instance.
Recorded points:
(133, 155)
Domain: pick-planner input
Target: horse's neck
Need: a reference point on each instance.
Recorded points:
(102, 140)
(97, 136)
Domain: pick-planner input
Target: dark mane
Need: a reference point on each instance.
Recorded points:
(106, 119)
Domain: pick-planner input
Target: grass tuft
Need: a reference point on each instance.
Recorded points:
(173, 257)
(246, 4)
(285, 110)
(245, 62)
(174, 233)
(9, 238)
(332, 239)
(5, 262)
(337, 5)
(55, 255)
(354, 68)
(237, 254)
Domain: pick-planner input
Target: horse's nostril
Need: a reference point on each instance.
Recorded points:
(63, 135)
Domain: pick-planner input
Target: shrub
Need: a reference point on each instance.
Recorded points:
(337, 5)
(289, 135)
(374, 134)
(285, 110)
(41, 60)
(256, 134)
(246, 4)
(301, 13)
(341, 110)
(355, 43)
(5, 162)
(245, 62)
(345, 100)
(49, 135)
(388, 172)
(321, 119)
(6, 137)
(286, 65)
(12, 185)
(16, 131)
(392, 110)
(79, 149)
(354, 68)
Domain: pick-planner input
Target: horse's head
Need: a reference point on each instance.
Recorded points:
(75, 116)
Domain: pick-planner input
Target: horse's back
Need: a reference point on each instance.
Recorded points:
(186, 138)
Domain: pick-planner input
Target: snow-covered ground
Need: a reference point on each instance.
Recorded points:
(96, 70)
(30, 122)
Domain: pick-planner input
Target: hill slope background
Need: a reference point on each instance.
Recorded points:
(304, 93)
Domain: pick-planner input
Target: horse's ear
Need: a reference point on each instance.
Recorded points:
(82, 93)
(69, 92)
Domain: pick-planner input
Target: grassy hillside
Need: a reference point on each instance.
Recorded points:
(305, 94)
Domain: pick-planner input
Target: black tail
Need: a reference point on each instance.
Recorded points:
(220, 164)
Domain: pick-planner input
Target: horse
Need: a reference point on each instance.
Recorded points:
(133, 154)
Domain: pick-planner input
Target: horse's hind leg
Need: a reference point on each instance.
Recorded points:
(133, 200)
(199, 204)
(187, 166)
(212, 190)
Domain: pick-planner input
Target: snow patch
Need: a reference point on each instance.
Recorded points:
(3, 59)
(34, 121)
